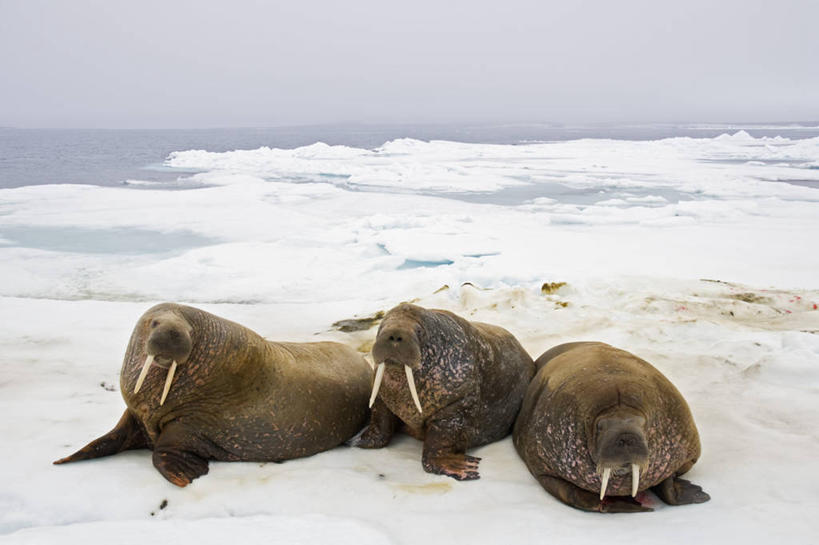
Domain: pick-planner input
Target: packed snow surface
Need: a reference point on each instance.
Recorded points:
(699, 255)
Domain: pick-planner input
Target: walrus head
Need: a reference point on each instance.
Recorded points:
(397, 344)
(618, 445)
(167, 345)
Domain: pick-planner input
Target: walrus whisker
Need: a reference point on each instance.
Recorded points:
(635, 479)
(142, 374)
(379, 376)
(606, 475)
(413, 391)
(168, 381)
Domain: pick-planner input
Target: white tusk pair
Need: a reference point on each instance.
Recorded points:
(635, 480)
(142, 374)
(379, 376)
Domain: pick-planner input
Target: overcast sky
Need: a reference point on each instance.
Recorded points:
(141, 63)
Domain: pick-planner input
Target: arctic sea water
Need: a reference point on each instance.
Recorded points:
(110, 157)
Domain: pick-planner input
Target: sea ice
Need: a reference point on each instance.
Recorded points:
(689, 252)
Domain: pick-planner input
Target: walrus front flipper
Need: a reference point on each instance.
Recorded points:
(576, 497)
(379, 432)
(179, 454)
(676, 491)
(444, 447)
(126, 435)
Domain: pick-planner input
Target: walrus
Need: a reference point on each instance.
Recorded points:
(454, 384)
(599, 425)
(198, 387)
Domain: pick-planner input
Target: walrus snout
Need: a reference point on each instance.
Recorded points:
(399, 346)
(169, 342)
(620, 441)
(620, 447)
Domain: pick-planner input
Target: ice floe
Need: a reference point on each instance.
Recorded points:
(691, 253)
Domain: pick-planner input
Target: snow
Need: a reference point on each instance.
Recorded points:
(692, 253)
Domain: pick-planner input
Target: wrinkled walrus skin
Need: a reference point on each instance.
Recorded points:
(595, 414)
(470, 379)
(234, 397)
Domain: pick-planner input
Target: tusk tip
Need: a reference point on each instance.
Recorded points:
(168, 381)
(413, 390)
(379, 375)
(605, 482)
(144, 372)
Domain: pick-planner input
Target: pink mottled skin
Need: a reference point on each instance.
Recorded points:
(577, 386)
(470, 378)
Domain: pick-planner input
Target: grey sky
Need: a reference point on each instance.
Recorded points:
(147, 63)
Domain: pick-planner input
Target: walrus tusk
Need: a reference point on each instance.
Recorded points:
(379, 375)
(413, 391)
(142, 374)
(635, 479)
(168, 381)
(606, 475)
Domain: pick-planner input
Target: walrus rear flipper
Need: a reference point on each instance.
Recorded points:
(126, 435)
(380, 430)
(676, 491)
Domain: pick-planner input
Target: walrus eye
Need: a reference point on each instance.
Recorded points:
(154, 324)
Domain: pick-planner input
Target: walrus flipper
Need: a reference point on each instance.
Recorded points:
(179, 455)
(379, 432)
(676, 491)
(126, 435)
(576, 497)
(444, 448)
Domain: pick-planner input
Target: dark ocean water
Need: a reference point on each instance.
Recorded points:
(110, 157)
